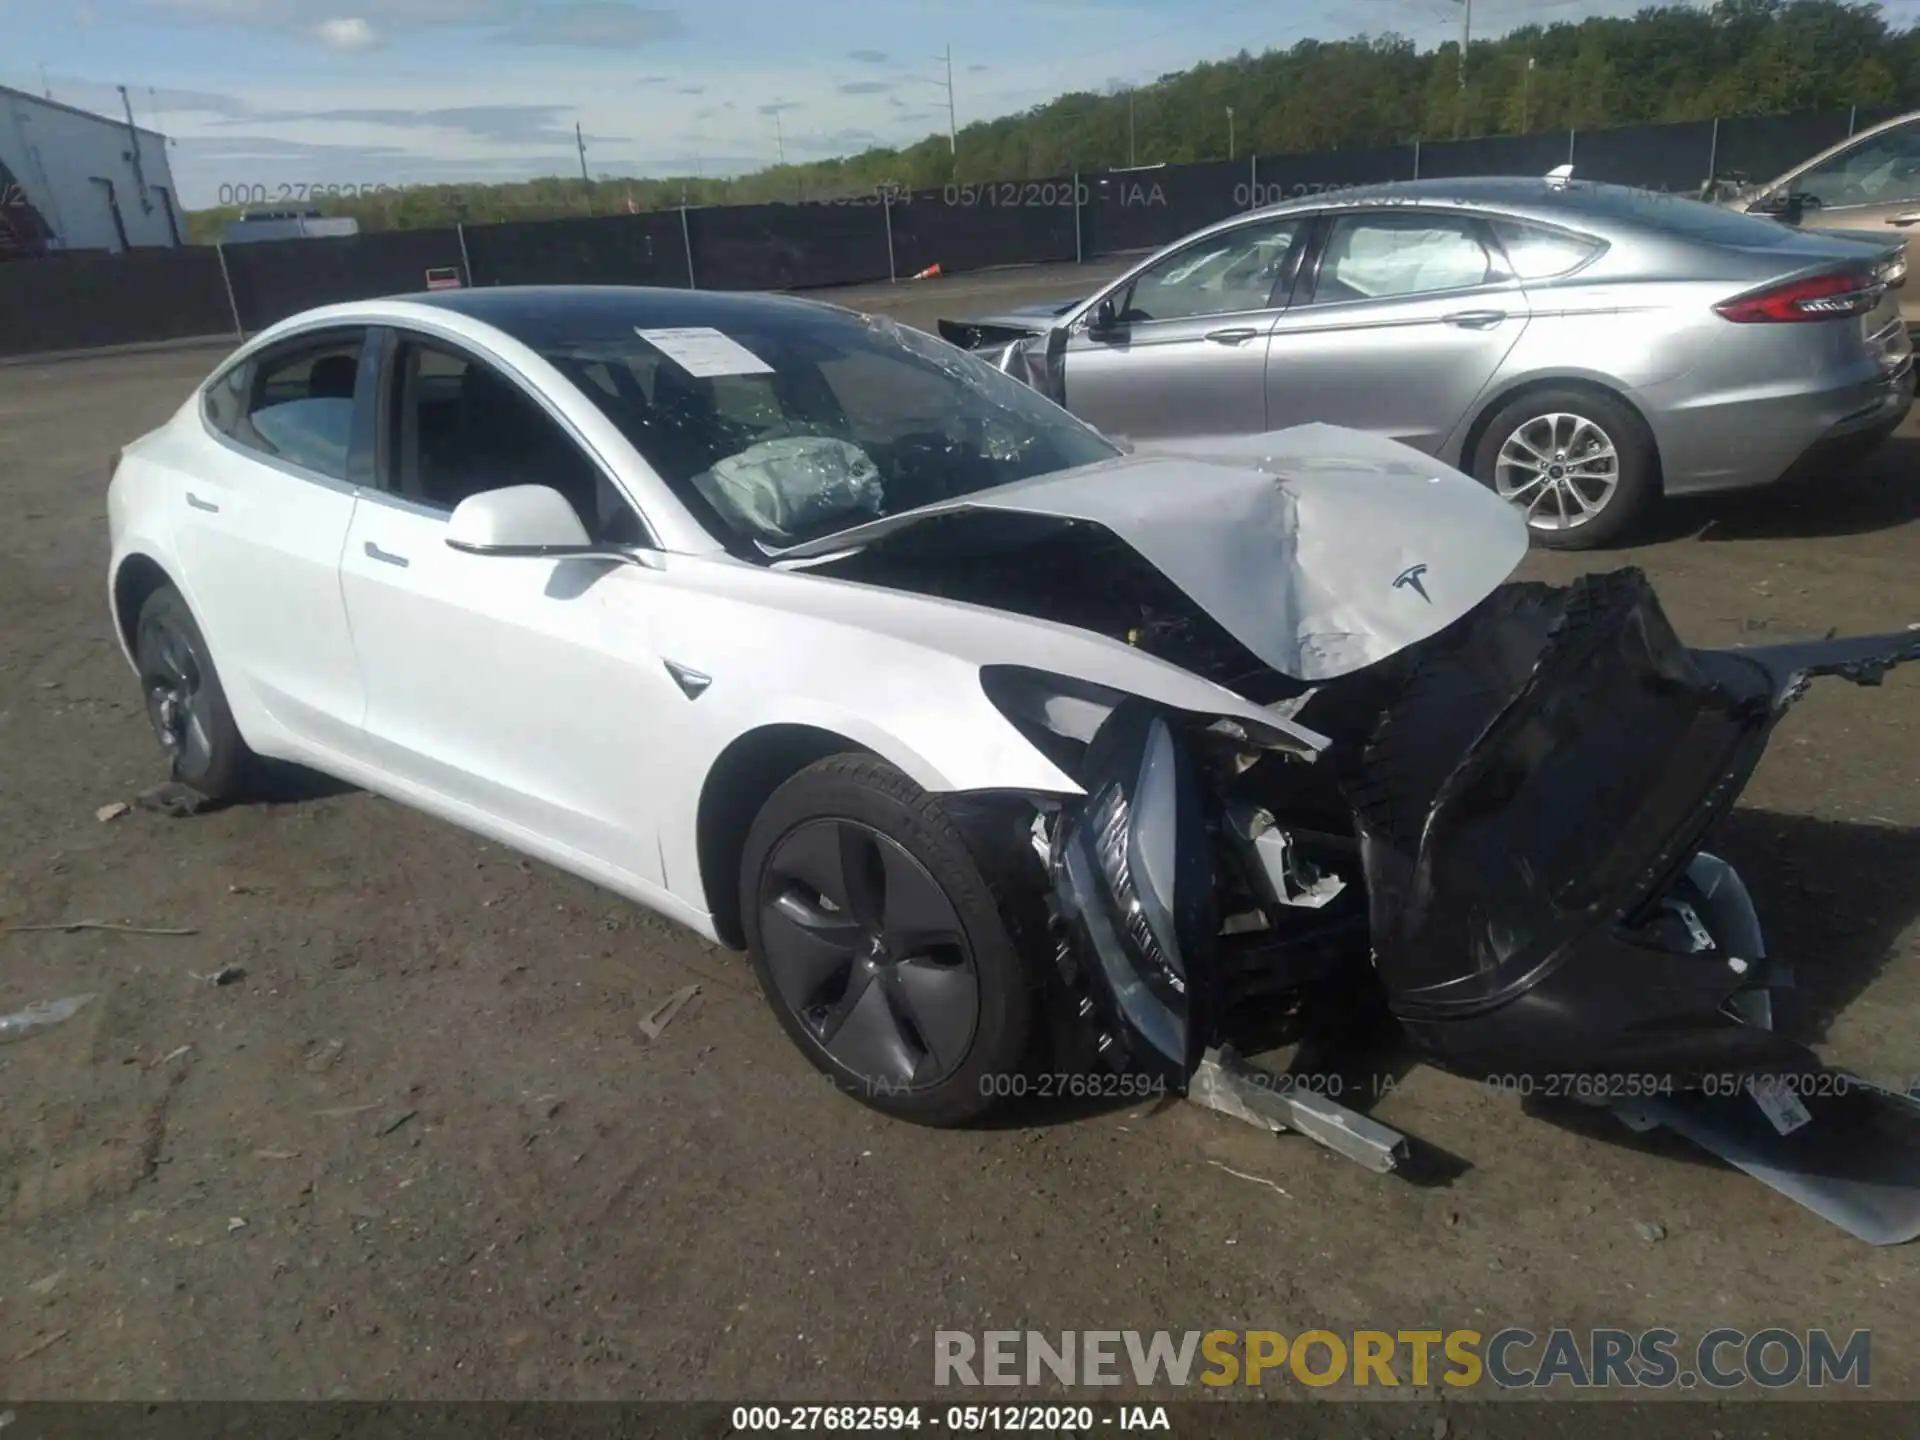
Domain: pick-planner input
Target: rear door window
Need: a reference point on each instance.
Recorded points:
(1396, 255)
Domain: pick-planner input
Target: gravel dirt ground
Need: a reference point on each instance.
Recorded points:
(423, 1147)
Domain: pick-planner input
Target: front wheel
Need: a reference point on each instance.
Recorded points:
(881, 946)
(1578, 464)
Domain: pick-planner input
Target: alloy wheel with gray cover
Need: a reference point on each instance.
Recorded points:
(868, 952)
(881, 946)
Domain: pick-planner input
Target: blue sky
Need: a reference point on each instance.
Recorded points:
(306, 92)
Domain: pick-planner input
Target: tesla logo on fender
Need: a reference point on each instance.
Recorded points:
(1409, 579)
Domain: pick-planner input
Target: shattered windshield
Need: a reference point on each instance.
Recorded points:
(796, 423)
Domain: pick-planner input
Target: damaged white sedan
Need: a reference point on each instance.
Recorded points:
(994, 745)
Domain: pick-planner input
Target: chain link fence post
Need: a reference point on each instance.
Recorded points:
(686, 243)
(886, 210)
(466, 262)
(233, 305)
(1079, 236)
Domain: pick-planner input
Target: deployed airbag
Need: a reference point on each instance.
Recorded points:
(782, 488)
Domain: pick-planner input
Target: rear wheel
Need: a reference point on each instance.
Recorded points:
(1577, 463)
(185, 702)
(881, 946)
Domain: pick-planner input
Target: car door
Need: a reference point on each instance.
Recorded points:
(1872, 185)
(1399, 320)
(1186, 354)
(262, 527)
(525, 689)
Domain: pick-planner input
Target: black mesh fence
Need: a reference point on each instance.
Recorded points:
(1495, 155)
(788, 247)
(1124, 210)
(79, 302)
(973, 227)
(1280, 178)
(83, 301)
(1675, 159)
(1760, 147)
(273, 279)
(647, 249)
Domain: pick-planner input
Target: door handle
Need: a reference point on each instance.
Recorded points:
(1232, 337)
(386, 557)
(1475, 319)
(1912, 217)
(197, 503)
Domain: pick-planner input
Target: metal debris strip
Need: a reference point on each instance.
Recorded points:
(663, 1015)
(41, 1015)
(1228, 1083)
(1243, 1175)
(69, 926)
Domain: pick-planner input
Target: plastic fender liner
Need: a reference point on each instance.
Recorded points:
(1542, 782)
(1134, 884)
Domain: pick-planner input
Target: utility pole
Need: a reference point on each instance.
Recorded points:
(1230, 132)
(953, 126)
(779, 139)
(1526, 99)
(1466, 39)
(1132, 158)
(45, 88)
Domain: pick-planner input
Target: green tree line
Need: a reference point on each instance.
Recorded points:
(1739, 58)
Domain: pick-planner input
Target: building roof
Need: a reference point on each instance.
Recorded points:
(8, 92)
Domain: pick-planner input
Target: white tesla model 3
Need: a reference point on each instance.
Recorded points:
(984, 736)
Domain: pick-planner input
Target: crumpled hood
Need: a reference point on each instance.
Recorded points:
(1322, 550)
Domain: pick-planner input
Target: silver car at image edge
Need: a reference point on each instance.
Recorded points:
(1582, 348)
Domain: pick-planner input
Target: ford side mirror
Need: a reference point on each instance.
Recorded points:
(522, 520)
(1104, 320)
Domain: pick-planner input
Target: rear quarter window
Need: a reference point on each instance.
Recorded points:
(1538, 252)
(224, 400)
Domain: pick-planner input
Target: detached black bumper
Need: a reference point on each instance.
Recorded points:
(1530, 808)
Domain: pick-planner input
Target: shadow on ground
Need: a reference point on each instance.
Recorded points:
(1882, 494)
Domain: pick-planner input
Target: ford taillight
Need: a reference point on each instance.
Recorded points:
(1818, 297)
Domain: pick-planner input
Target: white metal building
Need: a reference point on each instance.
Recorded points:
(94, 183)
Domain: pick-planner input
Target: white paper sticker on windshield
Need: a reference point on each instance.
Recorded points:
(702, 350)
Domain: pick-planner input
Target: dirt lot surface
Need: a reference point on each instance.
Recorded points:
(423, 1147)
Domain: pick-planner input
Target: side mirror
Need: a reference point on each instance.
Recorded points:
(1104, 320)
(1787, 206)
(523, 520)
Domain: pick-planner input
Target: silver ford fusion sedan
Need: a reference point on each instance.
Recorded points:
(1582, 348)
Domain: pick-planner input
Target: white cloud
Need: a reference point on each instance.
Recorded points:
(347, 32)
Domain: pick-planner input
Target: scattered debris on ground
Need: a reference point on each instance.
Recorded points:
(225, 975)
(68, 927)
(112, 812)
(655, 1024)
(41, 1015)
(172, 799)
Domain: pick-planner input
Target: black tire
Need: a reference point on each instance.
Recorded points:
(1583, 414)
(185, 701)
(893, 1025)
